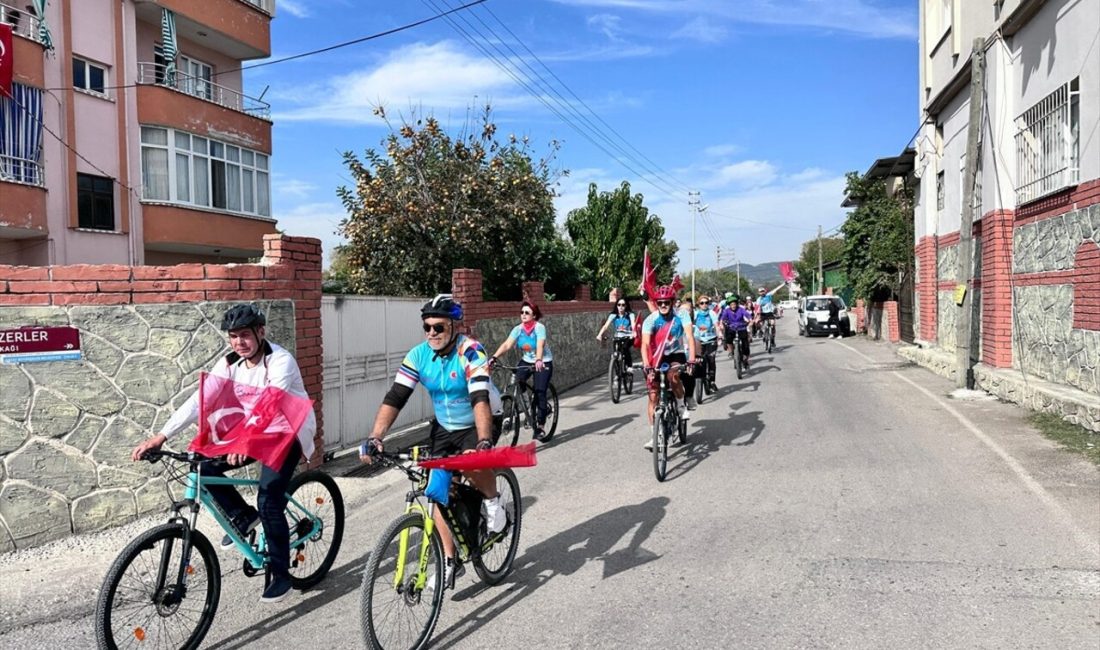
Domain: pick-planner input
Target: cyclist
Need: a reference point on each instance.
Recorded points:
(665, 337)
(530, 336)
(455, 371)
(765, 306)
(706, 336)
(254, 361)
(622, 318)
(734, 323)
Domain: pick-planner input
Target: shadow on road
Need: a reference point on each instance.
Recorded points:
(613, 425)
(705, 437)
(565, 554)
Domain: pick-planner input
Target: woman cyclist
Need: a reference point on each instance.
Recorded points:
(622, 319)
(535, 354)
(706, 340)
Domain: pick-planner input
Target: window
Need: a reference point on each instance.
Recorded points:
(89, 76)
(1048, 149)
(21, 135)
(180, 167)
(938, 17)
(939, 191)
(95, 200)
(195, 78)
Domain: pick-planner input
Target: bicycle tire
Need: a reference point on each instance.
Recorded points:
(682, 430)
(508, 539)
(660, 446)
(505, 422)
(551, 424)
(699, 385)
(109, 613)
(614, 380)
(738, 364)
(317, 492)
(518, 415)
(378, 581)
(628, 380)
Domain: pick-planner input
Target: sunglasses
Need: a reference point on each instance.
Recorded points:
(435, 327)
(621, 304)
(664, 303)
(704, 302)
(526, 312)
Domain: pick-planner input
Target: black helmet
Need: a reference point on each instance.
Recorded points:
(442, 306)
(242, 316)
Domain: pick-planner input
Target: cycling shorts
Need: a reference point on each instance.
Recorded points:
(652, 380)
(450, 443)
(767, 315)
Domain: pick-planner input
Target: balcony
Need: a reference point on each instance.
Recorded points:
(193, 231)
(155, 74)
(238, 28)
(28, 48)
(21, 170)
(23, 210)
(23, 22)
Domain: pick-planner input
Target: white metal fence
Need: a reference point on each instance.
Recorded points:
(158, 74)
(365, 340)
(1047, 149)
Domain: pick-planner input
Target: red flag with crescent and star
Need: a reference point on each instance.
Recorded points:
(7, 60)
(260, 422)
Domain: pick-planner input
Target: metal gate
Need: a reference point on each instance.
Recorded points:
(905, 307)
(365, 340)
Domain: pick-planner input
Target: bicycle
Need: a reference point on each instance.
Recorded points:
(406, 567)
(666, 420)
(148, 583)
(706, 383)
(769, 335)
(620, 377)
(521, 411)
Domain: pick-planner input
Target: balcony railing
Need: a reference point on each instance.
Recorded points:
(21, 170)
(22, 21)
(156, 74)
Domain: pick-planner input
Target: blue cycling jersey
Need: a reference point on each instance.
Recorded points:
(527, 344)
(624, 325)
(450, 380)
(706, 329)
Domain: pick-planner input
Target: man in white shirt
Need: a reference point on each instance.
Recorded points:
(254, 361)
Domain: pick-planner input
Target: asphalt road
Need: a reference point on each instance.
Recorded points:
(835, 497)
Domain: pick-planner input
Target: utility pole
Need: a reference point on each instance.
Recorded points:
(820, 265)
(964, 347)
(693, 203)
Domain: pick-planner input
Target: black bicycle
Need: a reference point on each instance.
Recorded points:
(705, 384)
(520, 410)
(666, 419)
(769, 334)
(620, 376)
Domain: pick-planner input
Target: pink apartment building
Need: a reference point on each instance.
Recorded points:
(127, 137)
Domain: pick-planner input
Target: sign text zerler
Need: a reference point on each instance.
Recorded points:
(39, 339)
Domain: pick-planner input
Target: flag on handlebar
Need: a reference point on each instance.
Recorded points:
(649, 279)
(260, 422)
(496, 458)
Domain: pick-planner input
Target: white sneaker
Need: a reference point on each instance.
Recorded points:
(648, 446)
(495, 516)
(451, 572)
(685, 414)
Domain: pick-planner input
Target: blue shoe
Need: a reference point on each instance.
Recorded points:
(244, 524)
(278, 589)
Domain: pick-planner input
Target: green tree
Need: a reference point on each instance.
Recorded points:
(832, 249)
(610, 235)
(878, 238)
(429, 203)
(715, 283)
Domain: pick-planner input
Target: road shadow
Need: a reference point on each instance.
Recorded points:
(562, 555)
(729, 389)
(613, 426)
(757, 369)
(706, 437)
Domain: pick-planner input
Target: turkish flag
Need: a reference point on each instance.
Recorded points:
(7, 60)
(260, 422)
(649, 277)
(498, 457)
(787, 271)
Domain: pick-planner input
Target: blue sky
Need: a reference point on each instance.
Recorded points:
(760, 105)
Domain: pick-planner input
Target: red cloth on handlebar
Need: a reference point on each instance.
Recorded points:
(500, 457)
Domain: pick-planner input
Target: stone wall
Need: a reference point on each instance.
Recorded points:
(1047, 345)
(67, 427)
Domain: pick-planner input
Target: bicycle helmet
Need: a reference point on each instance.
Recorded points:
(241, 317)
(442, 306)
(664, 292)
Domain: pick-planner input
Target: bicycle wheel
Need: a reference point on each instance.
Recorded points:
(628, 380)
(700, 383)
(135, 609)
(682, 430)
(398, 614)
(519, 414)
(318, 494)
(504, 423)
(498, 550)
(660, 445)
(737, 361)
(551, 424)
(614, 380)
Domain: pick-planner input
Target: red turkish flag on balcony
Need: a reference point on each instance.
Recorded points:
(7, 60)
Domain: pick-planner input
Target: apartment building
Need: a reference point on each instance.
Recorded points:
(128, 138)
(1036, 208)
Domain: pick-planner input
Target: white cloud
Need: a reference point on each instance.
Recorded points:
(862, 17)
(722, 150)
(608, 25)
(432, 77)
(296, 8)
(747, 173)
(701, 29)
(291, 187)
(318, 220)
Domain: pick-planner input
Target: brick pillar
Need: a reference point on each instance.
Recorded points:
(1086, 286)
(534, 292)
(861, 317)
(466, 287)
(303, 256)
(894, 314)
(996, 325)
(583, 293)
(926, 288)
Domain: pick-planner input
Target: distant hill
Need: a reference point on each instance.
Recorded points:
(766, 274)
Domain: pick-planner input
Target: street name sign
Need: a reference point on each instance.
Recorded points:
(37, 344)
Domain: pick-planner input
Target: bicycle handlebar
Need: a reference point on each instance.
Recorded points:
(154, 455)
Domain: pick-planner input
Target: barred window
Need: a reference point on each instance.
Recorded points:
(939, 191)
(1048, 144)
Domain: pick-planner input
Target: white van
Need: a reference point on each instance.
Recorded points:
(813, 316)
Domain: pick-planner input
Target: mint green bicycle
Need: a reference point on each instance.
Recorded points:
(163, 589)
(403, 584)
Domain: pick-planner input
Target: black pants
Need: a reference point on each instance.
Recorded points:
(271, 501)
(625, 345)
(542, 381)
(743, 342)
(707, 356)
